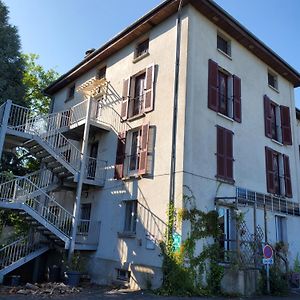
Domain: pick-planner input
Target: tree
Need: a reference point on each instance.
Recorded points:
(11, 62)
(35, 80)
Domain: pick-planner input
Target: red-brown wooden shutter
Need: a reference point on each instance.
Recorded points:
(286, 125)
(221, 172)
(120, 157)
(149, 88)
(268, 116)
(229, 154)
(125, 94)
(270, 176)
(213, 85)
(287, 177)
(237, 106)
(143, 149)
(224, 153)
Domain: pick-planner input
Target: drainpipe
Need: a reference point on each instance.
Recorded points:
(81, 176)
(175, 110)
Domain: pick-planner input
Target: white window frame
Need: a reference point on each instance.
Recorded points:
(228, 41)
(281, 228)
(132, 216)
(275, 76)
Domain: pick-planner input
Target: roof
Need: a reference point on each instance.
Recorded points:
(209, 9)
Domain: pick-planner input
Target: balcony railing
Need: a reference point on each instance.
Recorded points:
(88, 232)
(95, 169)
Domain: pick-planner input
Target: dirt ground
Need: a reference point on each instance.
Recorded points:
(99, 293)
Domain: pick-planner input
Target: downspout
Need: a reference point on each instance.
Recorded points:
(175, 113)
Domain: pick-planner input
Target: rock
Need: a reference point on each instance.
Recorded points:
(23, 292)
(31, 286)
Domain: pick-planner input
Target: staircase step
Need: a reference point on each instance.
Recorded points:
(30, 144)
(36, 149)
(42, 154)
(54, 164)
(48, 159)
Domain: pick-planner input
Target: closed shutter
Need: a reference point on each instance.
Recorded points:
(229, 154)
(286, 125)
(126, 94)
(224, 153)
(268, 116)
(270, 174)
(237, 107)
(213, 85)
(120, 156)
(143, 149)
(149, 88)
(287, 177)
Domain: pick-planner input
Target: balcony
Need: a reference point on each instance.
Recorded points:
(88, 234)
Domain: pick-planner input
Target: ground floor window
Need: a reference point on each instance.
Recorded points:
(130, 216)
(281, 229)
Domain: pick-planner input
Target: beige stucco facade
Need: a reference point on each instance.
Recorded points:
(195, 147)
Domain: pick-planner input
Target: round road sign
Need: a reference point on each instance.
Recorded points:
(268, 252)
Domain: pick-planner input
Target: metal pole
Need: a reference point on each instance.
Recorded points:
(81, 176)
(268, 278)
(4, 124)
(175, 111)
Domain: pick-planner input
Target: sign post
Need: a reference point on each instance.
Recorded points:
(267, 261)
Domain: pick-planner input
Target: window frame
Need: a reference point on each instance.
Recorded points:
(281, 228)
(71, 92)
(130, 217)
(273, 85)
(138, 54)
(103, 76)
(222, 38)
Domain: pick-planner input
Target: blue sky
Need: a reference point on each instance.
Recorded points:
(60, 31)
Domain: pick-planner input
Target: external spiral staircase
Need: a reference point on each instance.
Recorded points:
(55, 140)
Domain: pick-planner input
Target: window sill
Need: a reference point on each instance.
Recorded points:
(127, 235)
(135, 117)
(277, 142)
(225, 180)
(224, 53)
(273, 88)
(225, 117)
(137, 59)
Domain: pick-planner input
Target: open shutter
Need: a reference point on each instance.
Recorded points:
(286, 125)
(287, 177)
(270, 176)
(126, 94)
(221, 168)
(143, 149)
(229, 154)
(212, 85)
(268, 116)
(237, 108)
(149, 88)
(120, 157)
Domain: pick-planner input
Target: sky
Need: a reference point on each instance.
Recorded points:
(60, 31)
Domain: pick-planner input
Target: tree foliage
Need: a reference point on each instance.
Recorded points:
(11, 62)
(35, 80)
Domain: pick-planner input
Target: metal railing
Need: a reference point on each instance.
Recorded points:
(46, 206)
(88, 232)
(18, 249)
(95, 169)
(21, 186)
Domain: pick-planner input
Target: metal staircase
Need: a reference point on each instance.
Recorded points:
(52, 139)
(20, 252)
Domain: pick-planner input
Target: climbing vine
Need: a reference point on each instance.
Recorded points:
(185, 268)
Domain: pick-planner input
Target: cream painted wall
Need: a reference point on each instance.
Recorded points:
(249, 139)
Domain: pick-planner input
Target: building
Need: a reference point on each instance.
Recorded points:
(182, 100)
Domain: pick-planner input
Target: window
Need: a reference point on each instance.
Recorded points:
(142, 48)
(135, 152)
(123, 275)
(71, 92)
(136, 103)
(85, 217)
(101, 74)
(130, 216)
(224, 92)
(278, 173)
(281, 229)
(224, 154)
(272, 80)
(277, 122)
(138, 94)
(224, 44)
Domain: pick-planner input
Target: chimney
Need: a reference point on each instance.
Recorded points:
(89, 52)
